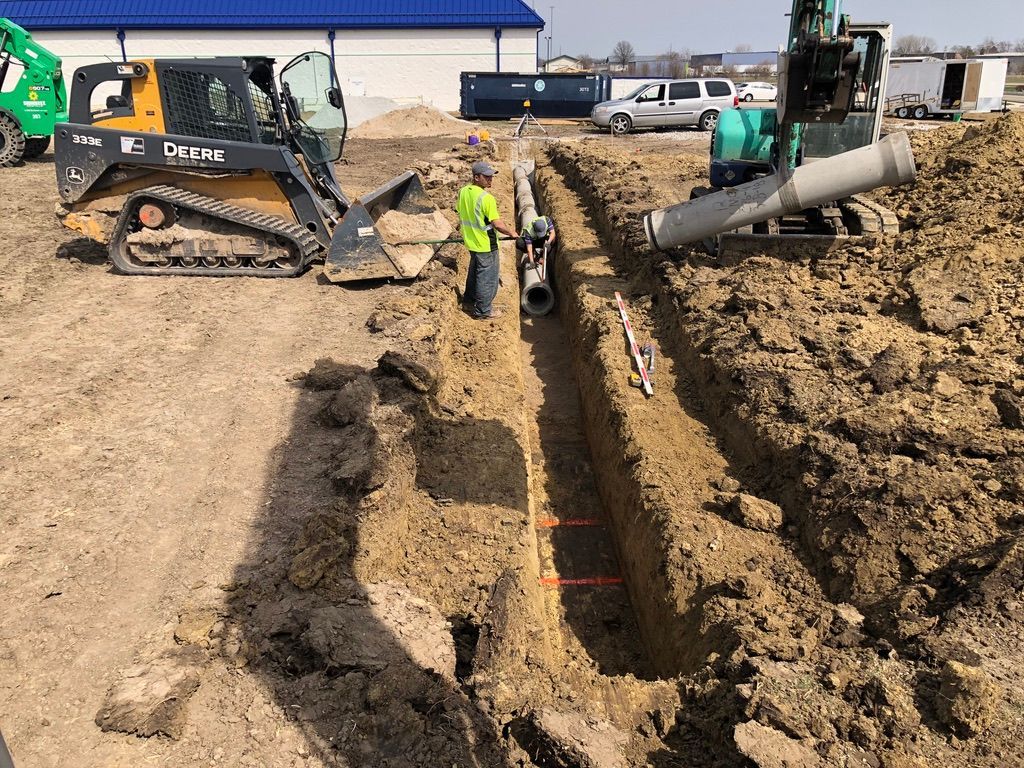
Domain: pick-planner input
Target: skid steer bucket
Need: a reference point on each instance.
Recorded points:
(360, 250)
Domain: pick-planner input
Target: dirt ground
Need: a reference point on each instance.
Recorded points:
(285, 523)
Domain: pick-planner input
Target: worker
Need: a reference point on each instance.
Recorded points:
(537, 239)
(480, 223)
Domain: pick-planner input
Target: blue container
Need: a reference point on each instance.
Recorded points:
(500, 95)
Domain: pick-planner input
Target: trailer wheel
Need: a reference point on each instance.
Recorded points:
(920, 112)
(12, 142)
(903, 113)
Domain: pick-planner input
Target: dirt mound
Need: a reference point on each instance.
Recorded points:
(875, 395)
(415, 121)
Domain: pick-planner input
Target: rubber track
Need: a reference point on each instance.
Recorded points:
(307, 244)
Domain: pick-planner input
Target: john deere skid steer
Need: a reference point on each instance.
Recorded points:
(205, 167)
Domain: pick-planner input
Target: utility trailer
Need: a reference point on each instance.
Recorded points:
(924, 85)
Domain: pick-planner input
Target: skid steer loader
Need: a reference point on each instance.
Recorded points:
(206, 167)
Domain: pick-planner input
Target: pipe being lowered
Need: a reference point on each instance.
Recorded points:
(889, 162)
(536, 297)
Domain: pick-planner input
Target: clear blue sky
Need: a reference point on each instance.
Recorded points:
(711, 26)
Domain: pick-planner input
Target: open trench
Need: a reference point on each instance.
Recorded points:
(648, 567)
(586, 597)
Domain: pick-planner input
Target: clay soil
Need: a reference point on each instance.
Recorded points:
(284, 523)
(873, 395)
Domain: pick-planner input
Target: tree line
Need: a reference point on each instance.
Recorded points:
(675, 63)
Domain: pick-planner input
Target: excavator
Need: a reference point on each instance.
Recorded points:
(37, 100)
(210, 167)
(791, 176)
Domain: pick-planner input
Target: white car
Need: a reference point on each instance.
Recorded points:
(759, 91)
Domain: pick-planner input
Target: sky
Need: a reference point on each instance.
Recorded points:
(713, 26)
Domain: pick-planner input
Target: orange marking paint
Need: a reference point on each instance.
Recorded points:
(577, 522)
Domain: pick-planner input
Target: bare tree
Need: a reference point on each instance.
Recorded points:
(623, 53)
(675, 67)
(586, 61)
(913, 45)
(743, 48)
(645, 69)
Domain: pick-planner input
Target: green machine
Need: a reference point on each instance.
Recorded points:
(36, 102)
(831, 98)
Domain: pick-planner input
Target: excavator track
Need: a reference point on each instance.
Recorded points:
(852, 219)
(205, 236)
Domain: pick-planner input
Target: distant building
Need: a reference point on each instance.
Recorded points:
(562, 64)
(743, 61)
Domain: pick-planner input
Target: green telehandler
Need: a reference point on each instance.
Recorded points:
(32, 101)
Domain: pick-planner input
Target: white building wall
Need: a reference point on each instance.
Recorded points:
(408, 65)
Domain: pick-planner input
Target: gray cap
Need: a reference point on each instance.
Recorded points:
(483, 169)
(540, 228)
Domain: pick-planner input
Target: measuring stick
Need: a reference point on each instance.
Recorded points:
(644, 378)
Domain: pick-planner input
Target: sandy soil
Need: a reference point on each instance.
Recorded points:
(147, 427)
(284, 523)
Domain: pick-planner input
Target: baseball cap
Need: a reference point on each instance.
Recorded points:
(540, 228)
(483, 169)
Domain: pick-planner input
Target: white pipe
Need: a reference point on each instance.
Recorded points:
(536, 298)
(526, 217)
(887, 163)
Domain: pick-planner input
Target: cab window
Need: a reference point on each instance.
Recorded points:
(654, 93)
(684, 91)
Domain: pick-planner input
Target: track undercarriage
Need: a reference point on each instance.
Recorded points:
(854, 220)
(167, 231)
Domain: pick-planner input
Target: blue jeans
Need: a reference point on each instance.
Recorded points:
(481, 281)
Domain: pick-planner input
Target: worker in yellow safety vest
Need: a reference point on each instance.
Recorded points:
(480, 223)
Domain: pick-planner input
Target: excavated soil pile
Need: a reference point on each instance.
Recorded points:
(876, 395)
(415, 121)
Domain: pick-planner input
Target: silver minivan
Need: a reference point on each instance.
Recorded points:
(695, 101)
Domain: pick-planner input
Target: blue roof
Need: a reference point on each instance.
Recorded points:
(295, 14)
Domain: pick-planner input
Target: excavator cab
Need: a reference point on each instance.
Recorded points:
(208, 167)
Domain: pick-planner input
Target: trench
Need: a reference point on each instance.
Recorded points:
(586, 594)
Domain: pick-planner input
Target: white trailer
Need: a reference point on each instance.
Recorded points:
(922, 86)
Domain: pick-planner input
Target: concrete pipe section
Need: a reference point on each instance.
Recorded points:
(536, 296)
(887, 163)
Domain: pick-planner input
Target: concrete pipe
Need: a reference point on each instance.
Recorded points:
(518, 173)
(536, 298)
(523, 185)
(526, 216)
(888, 163)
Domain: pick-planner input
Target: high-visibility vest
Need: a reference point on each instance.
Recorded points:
(477, 209)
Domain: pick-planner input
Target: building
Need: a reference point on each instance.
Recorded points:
(408, 50)
(562, 63)
(761, 62)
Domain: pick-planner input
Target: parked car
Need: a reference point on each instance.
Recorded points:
(759, 91)
(668, 103)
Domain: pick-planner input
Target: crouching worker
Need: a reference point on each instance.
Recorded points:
(537, 239)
